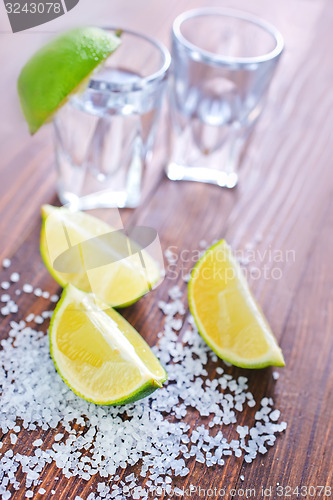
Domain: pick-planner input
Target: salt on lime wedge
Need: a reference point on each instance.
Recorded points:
(59, 69)
(99, 355)
(226, 313)
(118, 273)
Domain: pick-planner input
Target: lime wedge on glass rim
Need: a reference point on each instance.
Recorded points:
(59, 69)
(98, 354)
(227, 314)
(117, 270)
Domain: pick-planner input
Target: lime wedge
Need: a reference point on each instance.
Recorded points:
(115, 269)
(99, 355)
(58, 69)
(226, 313)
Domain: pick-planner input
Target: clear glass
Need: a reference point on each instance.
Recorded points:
(222, 64)
(104, 136)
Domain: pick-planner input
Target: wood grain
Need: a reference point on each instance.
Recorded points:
(284, 199)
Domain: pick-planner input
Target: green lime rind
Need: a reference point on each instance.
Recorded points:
(56, 70)
(144, 391)
(273, 359)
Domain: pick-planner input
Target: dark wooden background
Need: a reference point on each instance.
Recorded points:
(284, 194)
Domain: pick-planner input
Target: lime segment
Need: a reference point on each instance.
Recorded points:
(121, 282)
(58, 69)
(226, 313)
(99, 355)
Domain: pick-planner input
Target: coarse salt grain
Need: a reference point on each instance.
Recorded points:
(6, 263)
(13, 438)
(27, 288)
(37, 442)
(5, 285)
(276, 375)
(5, 311)
(275, 415)
(41, 491)
(15, 277)
(54, 298)
(13, 308)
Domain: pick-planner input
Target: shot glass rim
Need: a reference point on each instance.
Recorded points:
(206, 56)
(143, 82)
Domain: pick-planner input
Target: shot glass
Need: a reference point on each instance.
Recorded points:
(104, 135)
(222, 64)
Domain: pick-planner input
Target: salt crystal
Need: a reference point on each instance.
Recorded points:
(27, 288)
(37, 442)
(5, 285)
(6, 263)
(170, 256)
(29, 494)
(175, 293)
(13, 438)
(54, 298)
(29, 318)
(13, 308)
(38, 292)
(5, 297)
(14, 277)
(276, 375)
(39, 320)
(275, 415)
(45, 295)
(41, 491)
(242, 477)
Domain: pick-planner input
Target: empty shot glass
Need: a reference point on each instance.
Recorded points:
(223, 63)
(104, 135)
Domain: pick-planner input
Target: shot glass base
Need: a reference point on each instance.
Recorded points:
(176, 172)
(103, 199)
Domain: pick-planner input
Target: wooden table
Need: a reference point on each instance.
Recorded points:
(284, 194)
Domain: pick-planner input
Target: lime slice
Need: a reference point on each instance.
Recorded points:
(115, 269)
(58, 69)
(99, 355)
(226, 313)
